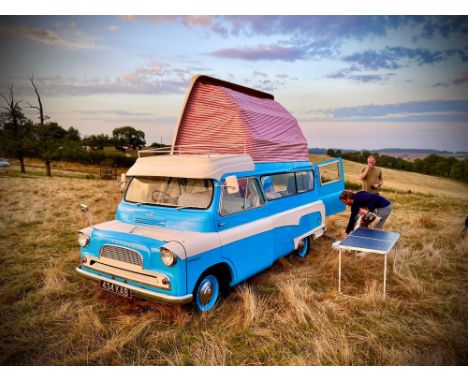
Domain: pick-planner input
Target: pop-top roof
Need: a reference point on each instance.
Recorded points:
(237, 120)
(191, 166)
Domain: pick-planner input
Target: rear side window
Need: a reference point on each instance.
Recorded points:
(279, 185)
(305, 181)
(248, 197)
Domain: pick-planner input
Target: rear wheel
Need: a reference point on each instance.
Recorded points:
(303, 247)
(207, 292)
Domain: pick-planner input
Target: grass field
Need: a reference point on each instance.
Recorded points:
(288, 315)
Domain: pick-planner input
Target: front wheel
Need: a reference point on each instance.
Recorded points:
(207, 292)
(303, 247)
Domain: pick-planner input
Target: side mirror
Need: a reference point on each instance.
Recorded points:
(232, 184)
(123, 182)
(84, 208)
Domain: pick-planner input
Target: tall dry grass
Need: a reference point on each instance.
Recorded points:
(290, 314)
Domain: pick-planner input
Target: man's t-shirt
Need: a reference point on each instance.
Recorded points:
(364, 199)
(374, 175)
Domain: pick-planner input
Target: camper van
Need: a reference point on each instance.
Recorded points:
(235, 193)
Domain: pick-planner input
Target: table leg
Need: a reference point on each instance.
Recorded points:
(385, 277)
(395, 256)
(339, 271)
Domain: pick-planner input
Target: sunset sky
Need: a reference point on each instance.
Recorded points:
(352, 82)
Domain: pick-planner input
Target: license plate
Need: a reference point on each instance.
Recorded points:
(117, 289)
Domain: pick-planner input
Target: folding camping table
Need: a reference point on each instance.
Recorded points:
(370, 241)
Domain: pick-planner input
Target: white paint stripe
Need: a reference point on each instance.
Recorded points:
(195, 243)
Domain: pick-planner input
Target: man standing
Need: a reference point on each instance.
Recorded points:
(362, 202)
(371, 176)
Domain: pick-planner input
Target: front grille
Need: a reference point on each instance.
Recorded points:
(121, 254)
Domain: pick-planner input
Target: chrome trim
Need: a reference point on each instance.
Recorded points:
(113, 268)
(141, 292)
(138, 261)
(316, 233)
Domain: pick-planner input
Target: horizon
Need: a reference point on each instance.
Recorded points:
(351, 81)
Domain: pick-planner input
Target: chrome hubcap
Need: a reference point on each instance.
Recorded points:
(206, 292)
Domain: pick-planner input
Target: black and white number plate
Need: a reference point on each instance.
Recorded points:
(117, 289)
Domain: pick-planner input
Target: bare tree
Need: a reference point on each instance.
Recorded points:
(15, 129)
(40, 109)
(45, 133)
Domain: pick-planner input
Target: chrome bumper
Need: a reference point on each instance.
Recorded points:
(137, 291)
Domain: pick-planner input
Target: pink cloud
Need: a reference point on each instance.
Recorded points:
(69, 38)
(261, 52)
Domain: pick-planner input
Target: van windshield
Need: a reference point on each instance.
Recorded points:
(172, 192)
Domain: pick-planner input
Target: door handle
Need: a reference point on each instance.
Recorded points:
(221, 224)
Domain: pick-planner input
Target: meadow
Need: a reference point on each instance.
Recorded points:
(290, 314)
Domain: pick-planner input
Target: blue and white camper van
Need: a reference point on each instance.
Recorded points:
(191, 225)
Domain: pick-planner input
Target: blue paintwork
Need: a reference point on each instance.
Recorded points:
(330, 193)
(244, 257)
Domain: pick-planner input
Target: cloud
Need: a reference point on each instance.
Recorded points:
(257, 73)
(261, 52)
(188, 21)
(152, 79)
(113, 28)
(444, 26)
(394, 57)
(69, 38)
(460, 80)
(415, 111)
(120, 113)
(349, 74)
(132, 18)
(320, 28)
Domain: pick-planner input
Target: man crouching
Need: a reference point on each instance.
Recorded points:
(362, 202)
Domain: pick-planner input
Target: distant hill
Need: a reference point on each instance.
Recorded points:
(409, 154)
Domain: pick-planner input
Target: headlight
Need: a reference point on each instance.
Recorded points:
(83, 240)
(167, 257)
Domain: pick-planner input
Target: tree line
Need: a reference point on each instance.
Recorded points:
(20, 137)
(447, 167)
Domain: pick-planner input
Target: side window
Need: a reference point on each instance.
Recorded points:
(329, 173)
(279, 185)
(248, 197)
(305, 181)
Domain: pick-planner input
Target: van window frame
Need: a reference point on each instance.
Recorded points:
(340, 178)
(295, 181)
(170, 206)
(261, 194)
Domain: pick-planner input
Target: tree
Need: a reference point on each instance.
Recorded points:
(99, 141)
(73, 134)
(42, 116)
(129, 136)
(331, 153)
(16, 130)
(50, 138)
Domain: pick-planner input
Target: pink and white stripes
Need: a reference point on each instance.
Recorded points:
(216, 118)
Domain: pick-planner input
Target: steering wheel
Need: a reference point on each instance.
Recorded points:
(156, 195)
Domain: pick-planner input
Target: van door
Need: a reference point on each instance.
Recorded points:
(245, 228)
(329, 178)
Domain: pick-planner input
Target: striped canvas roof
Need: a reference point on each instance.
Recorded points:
(238, 120)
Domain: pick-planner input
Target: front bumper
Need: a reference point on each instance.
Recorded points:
(137, 291)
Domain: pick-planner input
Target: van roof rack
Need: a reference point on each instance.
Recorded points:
(195, 149)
